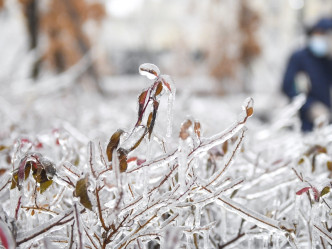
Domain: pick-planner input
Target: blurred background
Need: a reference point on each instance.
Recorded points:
(213, 48)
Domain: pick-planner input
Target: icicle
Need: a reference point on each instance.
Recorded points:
(151, 71)
(223, 217)
(206, 239)
(198, 215)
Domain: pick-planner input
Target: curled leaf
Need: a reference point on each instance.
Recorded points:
(81, 191)
(149, 70)
(113, 144)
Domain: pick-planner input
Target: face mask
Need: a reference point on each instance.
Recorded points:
(319, 46)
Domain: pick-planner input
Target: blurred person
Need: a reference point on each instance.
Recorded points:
(310, 68)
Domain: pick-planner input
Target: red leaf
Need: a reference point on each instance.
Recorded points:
(303, 190)
(131, 159)
(141, 102)
(316, 193)
(167, 84)
(39, 145)
(140, 161)
(25, 141)
(4, 239)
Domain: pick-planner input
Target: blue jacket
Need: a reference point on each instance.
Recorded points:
(319, 71)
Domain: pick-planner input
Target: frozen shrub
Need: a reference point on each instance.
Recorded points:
(147, 190)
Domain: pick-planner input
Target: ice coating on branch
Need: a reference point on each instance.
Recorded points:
(323, 232)
(53, 224)
(149, 70)
(229, 132)
(249, 215)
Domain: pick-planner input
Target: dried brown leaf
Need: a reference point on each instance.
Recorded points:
(197, 128)
(184, 133)
(329, 165)
(159, 89)
(81, 191)
(113, 144)
(122, 160)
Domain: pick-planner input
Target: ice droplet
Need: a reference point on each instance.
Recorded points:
(151, 71)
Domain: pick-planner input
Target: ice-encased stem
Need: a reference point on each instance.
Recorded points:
(221, 137)
(323, 232)
(45, 228)
(248, 214)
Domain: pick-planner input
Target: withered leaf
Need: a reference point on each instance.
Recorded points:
(2, 171)
(249, 111)
(184, 133)
(159, 89)
(122, 160)
(113, 144)
(225, 146)
(141, 102)
(3, 147)
(329, 165)
(81, 191)
(197, 128)
(152, 118)
(325, 191)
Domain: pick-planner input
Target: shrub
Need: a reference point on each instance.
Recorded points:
(147, 190)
